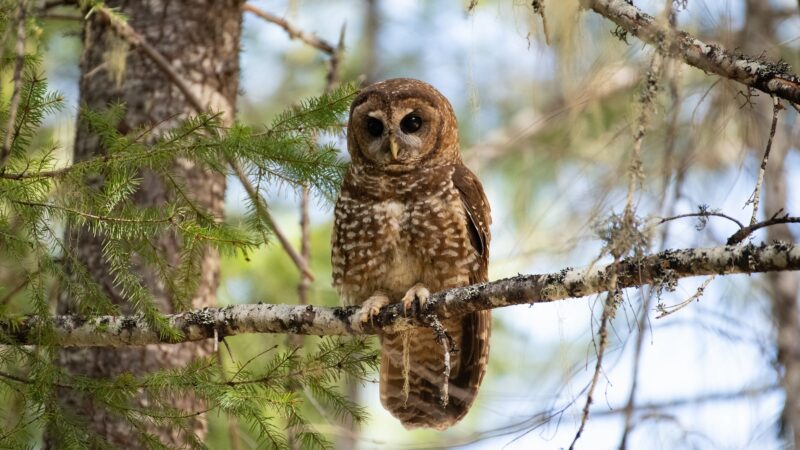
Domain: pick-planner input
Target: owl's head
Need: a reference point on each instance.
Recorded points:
(401, 124)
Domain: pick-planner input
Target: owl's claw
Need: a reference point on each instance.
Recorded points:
(418, 291)
(369, 309)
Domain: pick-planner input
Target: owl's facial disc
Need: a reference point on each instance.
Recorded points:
(395, 137)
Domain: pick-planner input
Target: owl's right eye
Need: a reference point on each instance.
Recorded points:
(374, 126)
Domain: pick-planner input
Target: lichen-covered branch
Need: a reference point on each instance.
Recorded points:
(663, 269)
(772, 78)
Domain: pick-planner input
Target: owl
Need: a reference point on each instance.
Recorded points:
(411, 219)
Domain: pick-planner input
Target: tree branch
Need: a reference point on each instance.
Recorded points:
(135, 39)
(659, 269)
(740, 235)
(773, 78)
(291, 30)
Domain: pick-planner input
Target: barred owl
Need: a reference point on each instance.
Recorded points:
(411, 219)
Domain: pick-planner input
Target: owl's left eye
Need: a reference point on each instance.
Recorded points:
(411, 123)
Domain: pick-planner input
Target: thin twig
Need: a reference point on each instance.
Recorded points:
(649, 92)
(602, 332)
(171, 218)
(297, 340)
(263, 211)
(666, 310)
(134, 38)
(736, 395)
(637, 359)
(756, 197)
(305, 246)
(743, 231)
(292, 30)
(19, 287)
(740, 235)
(669, 144)
(332, 77)
(233, 422)
(701, 214)
(16, 80)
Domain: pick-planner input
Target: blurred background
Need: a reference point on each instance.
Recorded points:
(548, 127)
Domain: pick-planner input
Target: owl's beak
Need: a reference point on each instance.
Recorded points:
(393, 148)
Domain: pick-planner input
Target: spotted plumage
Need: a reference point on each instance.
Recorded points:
(411, 219)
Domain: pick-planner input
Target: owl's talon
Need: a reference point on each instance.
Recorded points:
(369, 309)
(418, 291)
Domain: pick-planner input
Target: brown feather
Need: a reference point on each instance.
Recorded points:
(423, 219)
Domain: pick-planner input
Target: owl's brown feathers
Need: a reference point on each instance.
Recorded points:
(410, 215)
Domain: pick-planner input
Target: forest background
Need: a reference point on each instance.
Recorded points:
(548, 119)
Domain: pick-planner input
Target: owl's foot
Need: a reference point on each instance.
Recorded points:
(369, 309)
(418, 291)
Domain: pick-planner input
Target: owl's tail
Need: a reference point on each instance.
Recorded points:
(419, 404)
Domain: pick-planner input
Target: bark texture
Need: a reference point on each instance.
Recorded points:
(661, 270)
(200, 39)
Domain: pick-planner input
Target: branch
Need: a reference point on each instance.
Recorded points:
(661, 268)
(756, 197)
(135, 39)
(740, 235)
(263, 211)
(292, 30)
(773, 78)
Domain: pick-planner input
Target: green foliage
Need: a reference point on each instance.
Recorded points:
(290, 142)
(46, 205)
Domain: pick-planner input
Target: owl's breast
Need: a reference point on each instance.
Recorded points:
(401, 267)
(390, 244)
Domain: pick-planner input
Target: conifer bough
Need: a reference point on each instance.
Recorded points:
(661, 271)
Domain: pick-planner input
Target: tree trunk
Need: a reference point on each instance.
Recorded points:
(200, 39)
(759, 33)
(783, 287)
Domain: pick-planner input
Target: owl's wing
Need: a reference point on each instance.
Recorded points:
(478, 214)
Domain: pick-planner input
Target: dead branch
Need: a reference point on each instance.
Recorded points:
(137, 40)
(292, 30)
(773, 78)
(756, 197)
(776, 219)
(658, 269)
